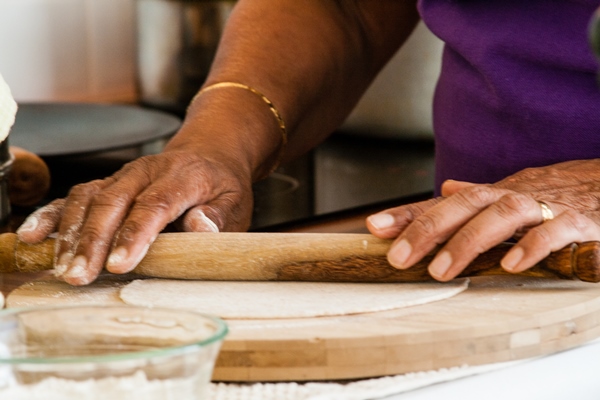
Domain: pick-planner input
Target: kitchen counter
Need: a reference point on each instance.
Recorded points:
(570, 374)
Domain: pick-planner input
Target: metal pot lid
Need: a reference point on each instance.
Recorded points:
(57, 129)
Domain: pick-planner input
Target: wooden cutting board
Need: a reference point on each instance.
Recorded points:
(496, 319)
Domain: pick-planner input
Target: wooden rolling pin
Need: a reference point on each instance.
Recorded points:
(297, 257)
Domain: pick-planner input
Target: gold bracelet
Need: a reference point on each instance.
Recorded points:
(284, 137)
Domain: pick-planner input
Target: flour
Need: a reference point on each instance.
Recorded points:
(138, 387)
(133, 387)
(209, 224)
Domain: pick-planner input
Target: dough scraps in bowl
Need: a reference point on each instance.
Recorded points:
(272, 300)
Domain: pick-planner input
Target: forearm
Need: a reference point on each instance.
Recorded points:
(313, 60)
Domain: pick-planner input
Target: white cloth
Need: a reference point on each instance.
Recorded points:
(8, 109)
(366, 389)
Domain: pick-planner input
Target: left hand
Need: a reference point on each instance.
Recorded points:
(469, 219)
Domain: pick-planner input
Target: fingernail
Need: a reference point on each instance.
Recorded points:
(399, 253)
(512, 259)
(30, 224)
(62, 265)
(208, 223)
(440, 265)
(119, 261)
(382, 221)
(116, 259)
(78, 269)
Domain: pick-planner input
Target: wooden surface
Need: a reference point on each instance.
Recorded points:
(496, 319)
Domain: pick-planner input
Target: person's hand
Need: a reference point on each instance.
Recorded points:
(471, 218)
(115, 220)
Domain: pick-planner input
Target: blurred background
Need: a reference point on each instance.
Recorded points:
(155, 53)
(87, 50)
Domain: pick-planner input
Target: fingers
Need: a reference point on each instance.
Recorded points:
(390, 223)
(112, 222)
(496, 223)
(93, 214)
(477, 218)
(80, 261)
(568, 227)
(41, 223)
(206, 210)
(468, 223)
(439, 223)
(133, 206)
(472, 218)
(154, 208)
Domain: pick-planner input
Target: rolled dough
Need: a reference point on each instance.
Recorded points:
(269, 300)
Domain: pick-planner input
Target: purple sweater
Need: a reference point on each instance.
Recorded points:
(518, 86)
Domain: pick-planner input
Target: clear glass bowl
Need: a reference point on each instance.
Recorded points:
(107, 352)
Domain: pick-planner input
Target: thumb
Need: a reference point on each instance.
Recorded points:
(197, 220)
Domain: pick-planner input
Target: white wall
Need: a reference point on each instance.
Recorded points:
(84, 50)
(399, 101)
(68, 50)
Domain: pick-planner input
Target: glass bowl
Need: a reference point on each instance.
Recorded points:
(107, 352)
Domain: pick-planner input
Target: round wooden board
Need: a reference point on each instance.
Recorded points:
(496, 319)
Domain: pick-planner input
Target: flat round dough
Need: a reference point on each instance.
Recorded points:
(268, 300)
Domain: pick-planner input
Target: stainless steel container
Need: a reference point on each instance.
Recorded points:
(6, 160)
(176, 43)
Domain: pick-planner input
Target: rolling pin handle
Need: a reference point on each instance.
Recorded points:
(8, 243)
(586, 264)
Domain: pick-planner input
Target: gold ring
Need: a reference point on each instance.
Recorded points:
(547, 213)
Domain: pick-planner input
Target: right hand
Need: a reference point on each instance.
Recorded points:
(113, 221)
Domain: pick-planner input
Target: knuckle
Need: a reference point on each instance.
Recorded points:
(540, 236)
(426, 225)
(408, 213)
(476, 196)
(92, 236)
(109, 199)
(154, 200)
(513, 205)
(404, 215)
(85, 190)
(469, 238)
(130, 231)
(577, 221)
